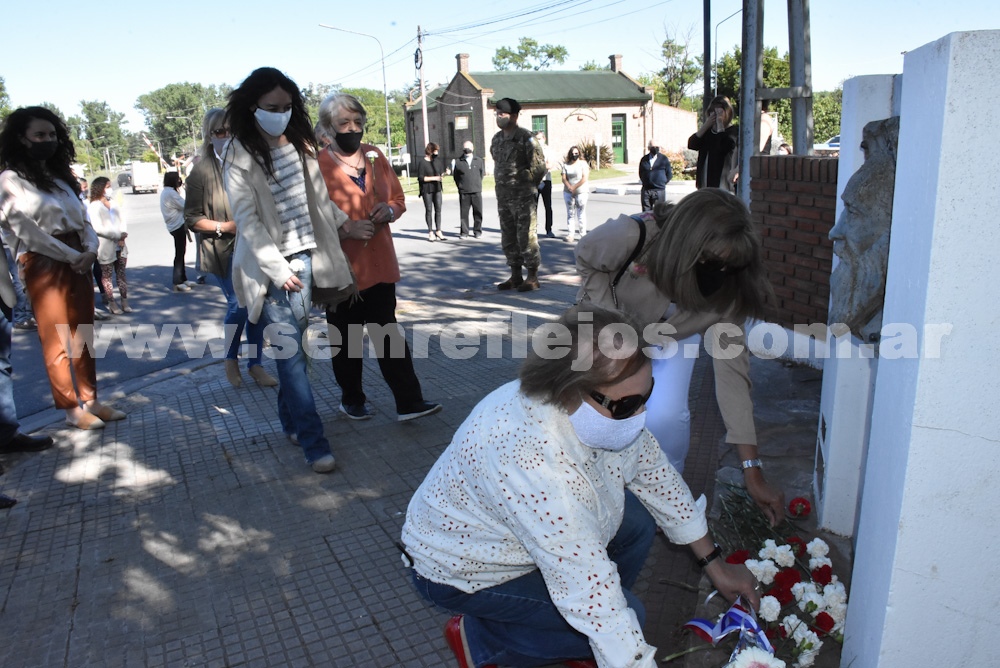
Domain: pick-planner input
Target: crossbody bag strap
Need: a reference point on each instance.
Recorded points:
(631, 258)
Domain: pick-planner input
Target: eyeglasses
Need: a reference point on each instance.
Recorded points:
(221, 133)
(625, 407)
(711, 265)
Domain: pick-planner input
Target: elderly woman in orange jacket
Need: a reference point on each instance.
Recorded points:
(364, 186)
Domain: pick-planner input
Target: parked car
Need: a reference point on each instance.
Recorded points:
(831, 145)
(124, 180)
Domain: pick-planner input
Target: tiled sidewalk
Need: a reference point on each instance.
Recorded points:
(193, 533)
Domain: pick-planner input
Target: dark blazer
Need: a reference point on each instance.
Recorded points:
(469, 178)
(659, 175)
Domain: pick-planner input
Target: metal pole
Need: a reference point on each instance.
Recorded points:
(715, 62)
(385, 86)
(423, 93)
(751, 78)
(800, 73)
(707, 29)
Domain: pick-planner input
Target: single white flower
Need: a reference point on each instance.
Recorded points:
(784, 557)
(791, 624)
(297, 266)
(809, 645)
(834, 594)
(371, 155)
(800, 589)
(819, 562)
(811, 603)
(770, 608)
(769, 549)
(762, 570)
(839, 613)
(755, 657)
(817, 548)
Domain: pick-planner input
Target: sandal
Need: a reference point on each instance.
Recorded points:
(86, 421)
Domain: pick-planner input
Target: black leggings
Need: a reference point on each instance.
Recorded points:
(180, 248)
(432, 199)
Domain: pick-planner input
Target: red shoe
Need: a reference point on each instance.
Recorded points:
(580, 663)
(454, 634)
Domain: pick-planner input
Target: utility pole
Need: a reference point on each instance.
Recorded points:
(707, 39)
(423, 92)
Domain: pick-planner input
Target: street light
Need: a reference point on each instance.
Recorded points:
(715, 65)
(385, 88)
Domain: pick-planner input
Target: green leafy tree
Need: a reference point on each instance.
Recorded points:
(680, 68)
(529, 55)
(5, 107)
(826, 114)
(174, 113)
(100, 128)
(776, 75)
(594, 66)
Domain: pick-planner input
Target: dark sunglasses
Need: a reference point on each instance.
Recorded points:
(719, 265)
(221, 133)
(625, 407)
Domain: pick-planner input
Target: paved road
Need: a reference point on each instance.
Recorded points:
(451, 266)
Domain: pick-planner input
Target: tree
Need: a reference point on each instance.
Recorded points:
(99, 127)
(593, 66)
(5, 108)
(680, 69)
(187, 104)
(530, 55)
(826, 114)
(776, 75)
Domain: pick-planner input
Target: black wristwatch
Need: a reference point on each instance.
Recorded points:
(711, 556)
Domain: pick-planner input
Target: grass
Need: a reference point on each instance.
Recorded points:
(449, 183)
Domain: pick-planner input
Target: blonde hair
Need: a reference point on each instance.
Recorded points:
(709, 224)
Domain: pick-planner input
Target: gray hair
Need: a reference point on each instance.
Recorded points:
(214, 119)
(333, 103)
(589, 331)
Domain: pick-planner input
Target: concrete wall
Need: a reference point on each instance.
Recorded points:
(924, 582)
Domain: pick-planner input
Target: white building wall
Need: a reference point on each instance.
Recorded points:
(924, 584)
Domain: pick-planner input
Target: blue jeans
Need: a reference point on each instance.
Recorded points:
(517, 624)
(286, 315)
(22, 309)
(8, 413)
(236, 319)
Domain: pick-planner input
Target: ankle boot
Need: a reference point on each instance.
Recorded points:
(531, 282)
(514, 281)
(125, 307)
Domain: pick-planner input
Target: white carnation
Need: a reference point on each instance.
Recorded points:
(839, 613)
(762, 570)
(297, 266)
(835, 594)
(755, 657)
(800, 589)
(791, 623)
(784, 557)
(770, 608)
(817, 548)
(819, 562)
(769, 550)
(815, 599)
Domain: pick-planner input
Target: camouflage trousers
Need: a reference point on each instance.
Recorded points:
(518, 236)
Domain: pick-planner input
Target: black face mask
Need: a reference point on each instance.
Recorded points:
(573, 158)
(42, 150)
(467, 151)
(349, 142)
(653, 150)
(711, 276)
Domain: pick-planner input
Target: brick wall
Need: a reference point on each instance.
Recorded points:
(793, 203)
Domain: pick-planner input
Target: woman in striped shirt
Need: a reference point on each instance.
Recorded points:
(287, 253)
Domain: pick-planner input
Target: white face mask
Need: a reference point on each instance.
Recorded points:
(604, 433)
(273, 122)
(219, 145)
(108, 193)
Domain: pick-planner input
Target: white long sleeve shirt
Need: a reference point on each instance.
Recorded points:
(516, 490)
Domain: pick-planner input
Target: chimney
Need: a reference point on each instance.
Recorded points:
(463, 62)
(616, 62)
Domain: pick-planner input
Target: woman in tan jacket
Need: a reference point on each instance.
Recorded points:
(698, 272)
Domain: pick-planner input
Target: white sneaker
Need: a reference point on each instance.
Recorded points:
(570, 238)
(324, 464)
(190, 284)
(182, 287)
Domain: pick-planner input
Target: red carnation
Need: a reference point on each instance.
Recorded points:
(824, 622)
(775, 633)
(738, 557)
(798, 545)
(822, 575)
(783, 594)
(799, 507)
(787, 577)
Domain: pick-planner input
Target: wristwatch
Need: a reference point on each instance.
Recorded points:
(751, 463)
(218, 229)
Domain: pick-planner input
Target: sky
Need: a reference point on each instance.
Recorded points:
(123, 51)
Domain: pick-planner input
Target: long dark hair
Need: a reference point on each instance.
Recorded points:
(243, 125)
(97, 187)
(14, 154)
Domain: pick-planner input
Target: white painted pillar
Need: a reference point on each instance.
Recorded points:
(925, 576)
(849, 379)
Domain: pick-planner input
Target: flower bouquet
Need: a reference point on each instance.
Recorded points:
(803, 605)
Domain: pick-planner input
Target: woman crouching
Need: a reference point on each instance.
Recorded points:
(535, 522)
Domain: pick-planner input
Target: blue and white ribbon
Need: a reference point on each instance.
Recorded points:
(737, 618)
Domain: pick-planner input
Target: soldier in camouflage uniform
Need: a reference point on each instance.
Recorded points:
(519, 166)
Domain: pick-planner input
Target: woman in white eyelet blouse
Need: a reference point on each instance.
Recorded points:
(536, 536)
